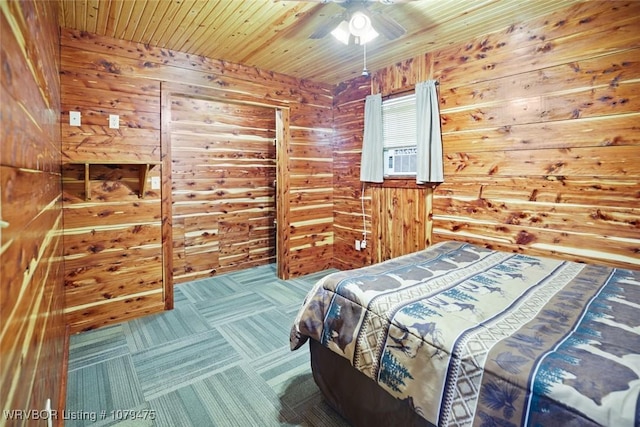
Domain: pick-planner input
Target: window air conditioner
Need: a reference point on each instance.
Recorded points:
(400, 161)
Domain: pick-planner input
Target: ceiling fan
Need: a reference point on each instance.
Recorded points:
(358, 24)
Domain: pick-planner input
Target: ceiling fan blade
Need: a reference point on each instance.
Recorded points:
(387, 26)
(328, 26)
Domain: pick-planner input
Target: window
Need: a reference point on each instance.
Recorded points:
(399, 135)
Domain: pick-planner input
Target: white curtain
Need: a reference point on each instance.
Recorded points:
(371, 167)
(429, 138)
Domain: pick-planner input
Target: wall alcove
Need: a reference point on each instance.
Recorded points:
(143, 174)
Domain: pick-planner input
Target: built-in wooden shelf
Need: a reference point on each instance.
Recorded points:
(143, 172)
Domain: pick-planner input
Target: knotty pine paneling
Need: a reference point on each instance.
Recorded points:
(33, 336)
(224, 170)
(541, 143)
(103, 75)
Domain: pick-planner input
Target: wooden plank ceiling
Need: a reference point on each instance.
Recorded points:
(274, 35)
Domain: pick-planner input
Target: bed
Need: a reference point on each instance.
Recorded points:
(459, 334)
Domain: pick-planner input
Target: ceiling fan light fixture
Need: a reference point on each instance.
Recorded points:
(359, 27)
(360, 24)
(370, 35)
(341, 32)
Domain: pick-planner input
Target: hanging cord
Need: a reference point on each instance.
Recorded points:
(365, 72)
(363, 244)
(364, 220)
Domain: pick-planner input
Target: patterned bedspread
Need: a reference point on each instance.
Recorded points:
(471, 336)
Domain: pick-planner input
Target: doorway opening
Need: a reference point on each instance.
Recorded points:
(220, 183)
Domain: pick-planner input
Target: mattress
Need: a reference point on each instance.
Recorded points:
(472, 336)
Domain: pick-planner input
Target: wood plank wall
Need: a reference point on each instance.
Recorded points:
(112, 241)
(348, 224)
(33, 336)
(540, 136)
(102, 75)
(400, 221)
(224, 171)
(541, 139)
(396, 212)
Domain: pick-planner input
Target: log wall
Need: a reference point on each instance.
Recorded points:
(32, 330)
(541, 143)
(116, 234)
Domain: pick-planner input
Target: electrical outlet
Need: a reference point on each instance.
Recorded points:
(357, 245)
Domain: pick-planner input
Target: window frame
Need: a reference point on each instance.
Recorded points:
(399, 114)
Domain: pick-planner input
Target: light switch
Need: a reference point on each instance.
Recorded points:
(155, 182)
(74, 118)
(114, 121)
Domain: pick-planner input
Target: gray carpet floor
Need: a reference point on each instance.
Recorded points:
(220, 358)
